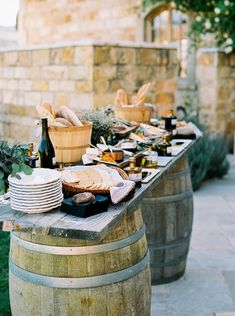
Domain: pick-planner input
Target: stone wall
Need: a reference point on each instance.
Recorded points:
(80, 76)
(216, 77)
(46, 21)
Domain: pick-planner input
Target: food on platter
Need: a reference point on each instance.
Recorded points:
(63, 117)
(85, 197)
(108, 157)
(89, 178)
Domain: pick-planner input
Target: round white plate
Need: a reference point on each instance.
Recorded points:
(36, 187)
(52, 200)
(40, 176)
(37, 211)
(20, 193)
(31, 206)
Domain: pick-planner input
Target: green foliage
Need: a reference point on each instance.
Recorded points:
(211, 16)
(102, 125)
(12, 161)
(208, 157)
(4, 296)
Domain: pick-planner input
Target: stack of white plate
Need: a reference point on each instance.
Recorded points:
(37, 193)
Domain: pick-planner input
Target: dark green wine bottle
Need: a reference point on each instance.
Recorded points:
(46, 150)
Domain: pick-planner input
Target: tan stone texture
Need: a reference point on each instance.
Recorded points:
(57, 21)
(81, 77)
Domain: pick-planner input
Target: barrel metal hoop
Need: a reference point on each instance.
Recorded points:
(171, 244)
(184, 172)
(169, 263)
(83, 250)
(170, 198)
(75, 283)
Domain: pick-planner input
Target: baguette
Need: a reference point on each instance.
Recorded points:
(63, 121)
(48, 107)
(69, 115)
(44, 113)
(141, 95)
(121, 98)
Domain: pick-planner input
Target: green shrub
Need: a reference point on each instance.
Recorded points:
(208, 157)
(4, 296)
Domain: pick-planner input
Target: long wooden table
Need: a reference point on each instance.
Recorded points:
(59, 224)
(65, 265)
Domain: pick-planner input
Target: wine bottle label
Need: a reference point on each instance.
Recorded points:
(54, 160)
(135, 177)
(173, 121)
(169, 150)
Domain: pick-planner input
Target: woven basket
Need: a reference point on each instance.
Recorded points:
(136, 114)
(72, 188)
(70, 143)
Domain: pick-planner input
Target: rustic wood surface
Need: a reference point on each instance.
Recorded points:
(168, 216)
(130, 295)
(96, 227)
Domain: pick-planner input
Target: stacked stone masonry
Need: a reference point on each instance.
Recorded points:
(81, 77)
(216, 76)
(46, 21)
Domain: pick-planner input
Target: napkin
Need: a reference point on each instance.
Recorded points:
(189, 129)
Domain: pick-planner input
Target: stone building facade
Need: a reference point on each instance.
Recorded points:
(87, 74)
(216, 79)
(80, 76)
(46, 21)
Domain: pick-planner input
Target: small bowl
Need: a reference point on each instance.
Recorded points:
(118, 155)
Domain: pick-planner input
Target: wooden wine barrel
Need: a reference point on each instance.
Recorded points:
(63, 276)
(168, 215)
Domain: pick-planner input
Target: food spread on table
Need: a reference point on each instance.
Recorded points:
(108, 171)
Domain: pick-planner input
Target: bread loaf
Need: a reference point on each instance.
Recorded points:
(69, 115)
(49, 107)
(44, 113)
(141, 95)
(121, 98)
(63, 121)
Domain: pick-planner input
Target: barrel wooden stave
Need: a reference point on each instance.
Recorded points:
(131, 296)
(168, 215)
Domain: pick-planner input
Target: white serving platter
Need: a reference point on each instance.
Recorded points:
(40, 176)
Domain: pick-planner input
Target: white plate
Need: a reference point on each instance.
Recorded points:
(36, 187)
(151, 173)
(36, 205)
(35, 192)
(163, 160)
(32, 201)
(40, 176)
(37, 211)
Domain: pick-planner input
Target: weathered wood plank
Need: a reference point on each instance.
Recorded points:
(96, 227)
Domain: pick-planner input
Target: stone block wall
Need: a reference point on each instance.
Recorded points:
(47, 21)
(80, 76)
(216, 77)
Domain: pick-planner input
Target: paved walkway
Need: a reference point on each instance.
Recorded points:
(208, 287)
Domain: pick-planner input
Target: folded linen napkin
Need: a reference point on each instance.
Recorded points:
(189, 129)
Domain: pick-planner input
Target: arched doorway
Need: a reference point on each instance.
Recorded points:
(166, 25)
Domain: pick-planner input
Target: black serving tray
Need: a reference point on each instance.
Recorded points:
(100, 205)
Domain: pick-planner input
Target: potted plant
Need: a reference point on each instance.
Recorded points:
(13, 159)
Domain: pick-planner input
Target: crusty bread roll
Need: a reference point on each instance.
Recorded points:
(69, 115)
(121, 98)
(134, 99)
(63, 121)
(141, 95)
(49, 107)
(44, 113)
